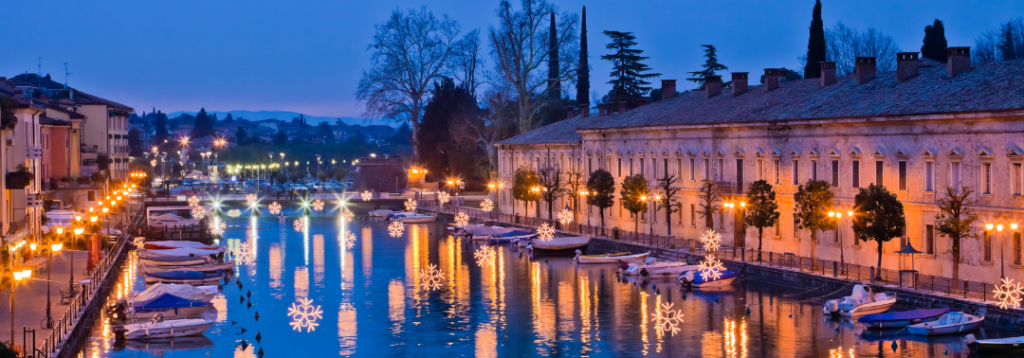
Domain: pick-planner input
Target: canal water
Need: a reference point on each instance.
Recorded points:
(316, 297)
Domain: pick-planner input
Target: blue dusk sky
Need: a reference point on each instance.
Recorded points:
(307, 56)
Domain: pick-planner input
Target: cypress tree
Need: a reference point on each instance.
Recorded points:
(815, 44)
(554, 82)
(583, 71)
(1007, 45)
(934, 47)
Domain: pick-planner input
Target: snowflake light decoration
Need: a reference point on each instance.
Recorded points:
(218, 230)
(667, 319)
(487, 205)
(430, 278)
(282, 219)
(366, 195)
(444, 197)
(396, 228)
(193, 201)
(1009, 293)
(152, 163)
(244, 253)
(349, 240)
(565, 216)
(250, 198)
(461, 219)
(545, 232)
(348, 214)
(710, 239)
(304, 315)
(234, 213)
(298, 225)
(410, 205)
(318, 205)
(198, 212)
(484, 256)
(275, 208)
(711, 268)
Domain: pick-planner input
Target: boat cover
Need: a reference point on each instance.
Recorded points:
(183, 275)
(488, 230)
(201, 293)
(183, 244)
(169, 301)
(903, 315)
(724, 274)
(183, 252)
(515, 233)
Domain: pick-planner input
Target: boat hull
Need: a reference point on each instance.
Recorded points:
(199, 268)
(159, 262)
(419, 219)
(193, 282)
(869, 308)
(715, 284)
(170, 312)
(562, 243)
(168, 331)
(933, 329)
(665, 272)
(589, 259)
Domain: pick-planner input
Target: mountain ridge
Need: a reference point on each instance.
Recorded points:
(282, 115)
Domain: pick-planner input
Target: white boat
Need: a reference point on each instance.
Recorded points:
(383, 213)
(170, 221)
(173, 244)
(186, 281)
(201, 268)
(863, 301)
(610, 258)
(651, 264)
(158, 328)
(671, 272)
(200, 293)
(180, 252)
(950, 323)
(562, 243)
(174, 260)
(481, 232)
(415, 218)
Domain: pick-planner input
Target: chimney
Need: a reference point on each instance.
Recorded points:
(712, 85)
(864, 70)
(570, 112)
(739, 83)
(828, 73)
(622, 106)
(959, 60)
(906, 66)
(642, 101)
(668, 89)
(585, 110)
(771, 78)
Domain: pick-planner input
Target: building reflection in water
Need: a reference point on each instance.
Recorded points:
(396, 305)
(367, 247)
(346, 329)
(318, 260)
(301, 282)
(486, 341)
(275, 265)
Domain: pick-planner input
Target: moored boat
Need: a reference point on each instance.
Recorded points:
(610, 258)
(195, 293)
(511, 236)
(950, 323)
(186, 277)
(159, 328)
(901, 319)
(863, 301)
(201, 268)
(695, 279)
(174, 260)
(644, 269)
(1009, 344)
(561, 243)
(180, 252)
(168, 245)
(413, 218)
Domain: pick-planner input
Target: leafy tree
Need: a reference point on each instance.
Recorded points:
(934, 47)
(955, 220)
(134, 143)
(710, 67)
(161, 134)
(550, 187)
(1006, 47)
(103, 161)
(403, 135)
(762, 209)
(523, 181)
(634, 187)
(574, 184)
(879, 217)
(280, 138)
(440, 151)
(241, 136)
(229, 119)
(204, 125)
(323, 130)
(669, 200)
(628, 73)
(815, 44)
(709, 199)
(583, 69)
(813, 202)
(7, 349)
(601, 189)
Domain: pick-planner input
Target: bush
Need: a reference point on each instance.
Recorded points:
(98, 177)
(84, 180)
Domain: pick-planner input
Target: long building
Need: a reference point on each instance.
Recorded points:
(926, 127)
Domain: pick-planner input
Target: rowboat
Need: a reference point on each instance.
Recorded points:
(901, 319)
(413, 218)
(186, 277)
(167, 305)
(863, 301)
(181, 252)
(696, 280)
(1009, 344)
(173, 260)
(167, 245)
(610, 258)
(201, 268)
(562, 243)
(651, 264)
(383, 213)
(511, 236)
(950, 323)
(158, 328)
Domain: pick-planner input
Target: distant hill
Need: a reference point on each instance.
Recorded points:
(284, 116)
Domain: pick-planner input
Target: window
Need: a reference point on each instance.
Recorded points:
(620, 167)
(796, 172)
(739, 176)
(1016, 183)
(903, 175)
(630, 166)
(721, 169)
(856, 174)
(954, 176)
(693, 172)
(778, 229)
(693, 215)
(92, 195)
(664, 162)
(679, 168)
(879, 173)
(835, 173)
(641, 166)
(796, 226)
(929, 239)
(988, 246)
(929, 169)
(776, 171)
(814, 170)
(1016, 248)
(590, 165)
(986, 178)
(760, 169)
(707, 169)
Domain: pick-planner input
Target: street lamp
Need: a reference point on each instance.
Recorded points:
(49, 268)
(838, 215)
(1002, 259)
(18, 277)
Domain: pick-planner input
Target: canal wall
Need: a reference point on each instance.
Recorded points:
(788, 277)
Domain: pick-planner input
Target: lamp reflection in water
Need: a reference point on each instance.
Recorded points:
(643, 321)
(396, 305)
(318, 260)
(276, 269)
(735, 334)
(367, 249)
(543, 313)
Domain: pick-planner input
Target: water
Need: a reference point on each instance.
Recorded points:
(372, 303)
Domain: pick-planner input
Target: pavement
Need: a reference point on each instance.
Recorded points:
(30, 298)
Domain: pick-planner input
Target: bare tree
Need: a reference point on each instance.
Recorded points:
(986, 48)
(466, 61)
(520, 48)
(497, 123)
(410, 50)
(844, 44)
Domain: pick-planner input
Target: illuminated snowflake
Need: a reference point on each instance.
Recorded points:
(461, 220)
(234, 213)
(304, 315)
(410, 205)
(198, 212)
(710, 239)
(396, 228)
(484, 256)
(275, 208)
(545, 232)
(318, 205)
(349, 240)
(565, 216)
(250, 198)
(193, 201)
(430, 278)
(218, 229)
(444, 197)
(366, 195)
(244, 253)
(152, 162)
(1009, 293)
(299, 225)
(487, 205)
(667, 319)
(348, 214)
(711, 268)
(282, 219)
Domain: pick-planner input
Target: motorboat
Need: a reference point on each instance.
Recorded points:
(901, 319)
(195, 293)
(170, 221)
(174, 260)
(167, 305)
(610, 258)
(511, 236)
(561, 243)
(413, 218)
(643, 269)
(383, 213)
(949, 323)
(170, 344)
(230, 265)
(671, 272)
(481, 232)
(168, 245)
(863, 301)
(185, 277)
(696, 279)
(181, 252)
(1008, 344)
(157, 327)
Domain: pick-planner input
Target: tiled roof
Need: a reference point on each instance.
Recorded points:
(986, 87)
(31, 79)
(558, 132)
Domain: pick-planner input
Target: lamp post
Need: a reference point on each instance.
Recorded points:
(268, 171)
(1002, 259)
(71, 271)
(49, 268)
(838, 215)
(317, 167)
(18, 277)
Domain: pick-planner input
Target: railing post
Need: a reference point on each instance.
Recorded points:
(770, 258)
(743, 253)
(872, 272)
(835, 268)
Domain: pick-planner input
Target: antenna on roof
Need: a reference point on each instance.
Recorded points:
(66, 74)
(39, 73)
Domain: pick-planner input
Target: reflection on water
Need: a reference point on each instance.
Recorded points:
(506, 305)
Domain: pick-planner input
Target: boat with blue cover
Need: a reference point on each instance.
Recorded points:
(696, 279)
(902, 318)
(510, 236)
(169, 306)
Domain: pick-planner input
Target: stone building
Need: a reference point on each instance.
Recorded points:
(918, 130)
